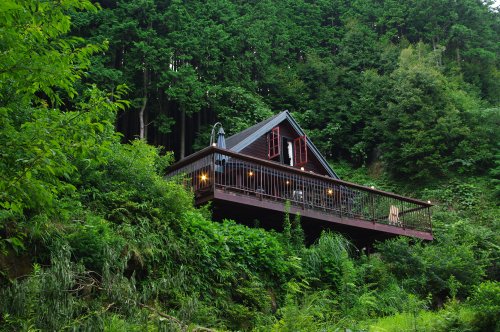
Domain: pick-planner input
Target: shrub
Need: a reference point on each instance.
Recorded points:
(486, 303)
(89, 241)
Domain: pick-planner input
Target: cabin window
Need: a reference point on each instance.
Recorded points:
(300, 147)
(274, 143)
(286, 151)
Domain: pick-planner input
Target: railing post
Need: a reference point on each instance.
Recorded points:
(430, 219)
(372, 202)
(340, 201)
(303, 193)
(214, 157)
(260, 185)
(403, 223)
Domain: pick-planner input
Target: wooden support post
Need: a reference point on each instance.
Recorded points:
(372, 206)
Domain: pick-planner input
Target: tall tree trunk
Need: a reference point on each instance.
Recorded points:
(198, 121)
(146, 125)
(143, 107)
(183, 133)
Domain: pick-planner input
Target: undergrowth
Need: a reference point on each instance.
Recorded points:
(130, 252)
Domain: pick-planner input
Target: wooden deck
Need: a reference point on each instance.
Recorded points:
(221, 175)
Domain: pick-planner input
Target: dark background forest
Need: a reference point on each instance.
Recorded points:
(97, 99)
(412, 82)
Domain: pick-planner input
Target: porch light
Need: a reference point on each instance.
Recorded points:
(203, 177)
(330, 192)
(250, 173)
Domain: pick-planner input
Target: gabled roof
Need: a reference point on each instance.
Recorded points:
(246, 137)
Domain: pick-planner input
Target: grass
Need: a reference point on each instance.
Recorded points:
(453, 317)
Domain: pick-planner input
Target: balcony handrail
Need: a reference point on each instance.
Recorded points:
(212, 150)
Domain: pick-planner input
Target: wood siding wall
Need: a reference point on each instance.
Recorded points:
(259, 149)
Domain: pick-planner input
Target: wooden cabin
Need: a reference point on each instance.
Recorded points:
(274, 162)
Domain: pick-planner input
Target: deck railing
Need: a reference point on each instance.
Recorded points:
(214, 168)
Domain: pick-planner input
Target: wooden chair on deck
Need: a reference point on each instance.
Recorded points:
(394, 216)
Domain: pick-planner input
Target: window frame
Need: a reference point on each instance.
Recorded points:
(274, 143)
(300, 151)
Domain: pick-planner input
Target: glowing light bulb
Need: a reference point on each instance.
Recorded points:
(250, 173)
(203, 177)
(287, 182)
(330, 191)
(302, 168)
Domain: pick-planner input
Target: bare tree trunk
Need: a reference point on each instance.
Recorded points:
(143, 107)
(146, 126)
(439, 59)
(183, 133)
(198, 121)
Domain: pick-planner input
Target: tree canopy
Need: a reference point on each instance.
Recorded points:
(350, 72)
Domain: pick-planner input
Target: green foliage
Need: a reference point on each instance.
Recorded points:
(485, 302)
(297, 235)
(403, 82)
(45, 299)
(479, 150)
(312, 313)
(106, 243)
(185, 89)
(90, 240)
(428, 269)
(287, 226)
(454, 316)
(45, 151)
(328, 263)
(36, 57)
(425, 125)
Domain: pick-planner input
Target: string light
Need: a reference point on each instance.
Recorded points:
(330, 192)
(203, 177)
(250, 173)
(287, 182)
(302, 168)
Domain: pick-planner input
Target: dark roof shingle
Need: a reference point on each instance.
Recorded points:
(236, 138)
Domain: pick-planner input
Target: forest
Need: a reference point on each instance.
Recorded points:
(97, 99)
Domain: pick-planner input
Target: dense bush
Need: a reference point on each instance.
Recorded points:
(485, 302)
